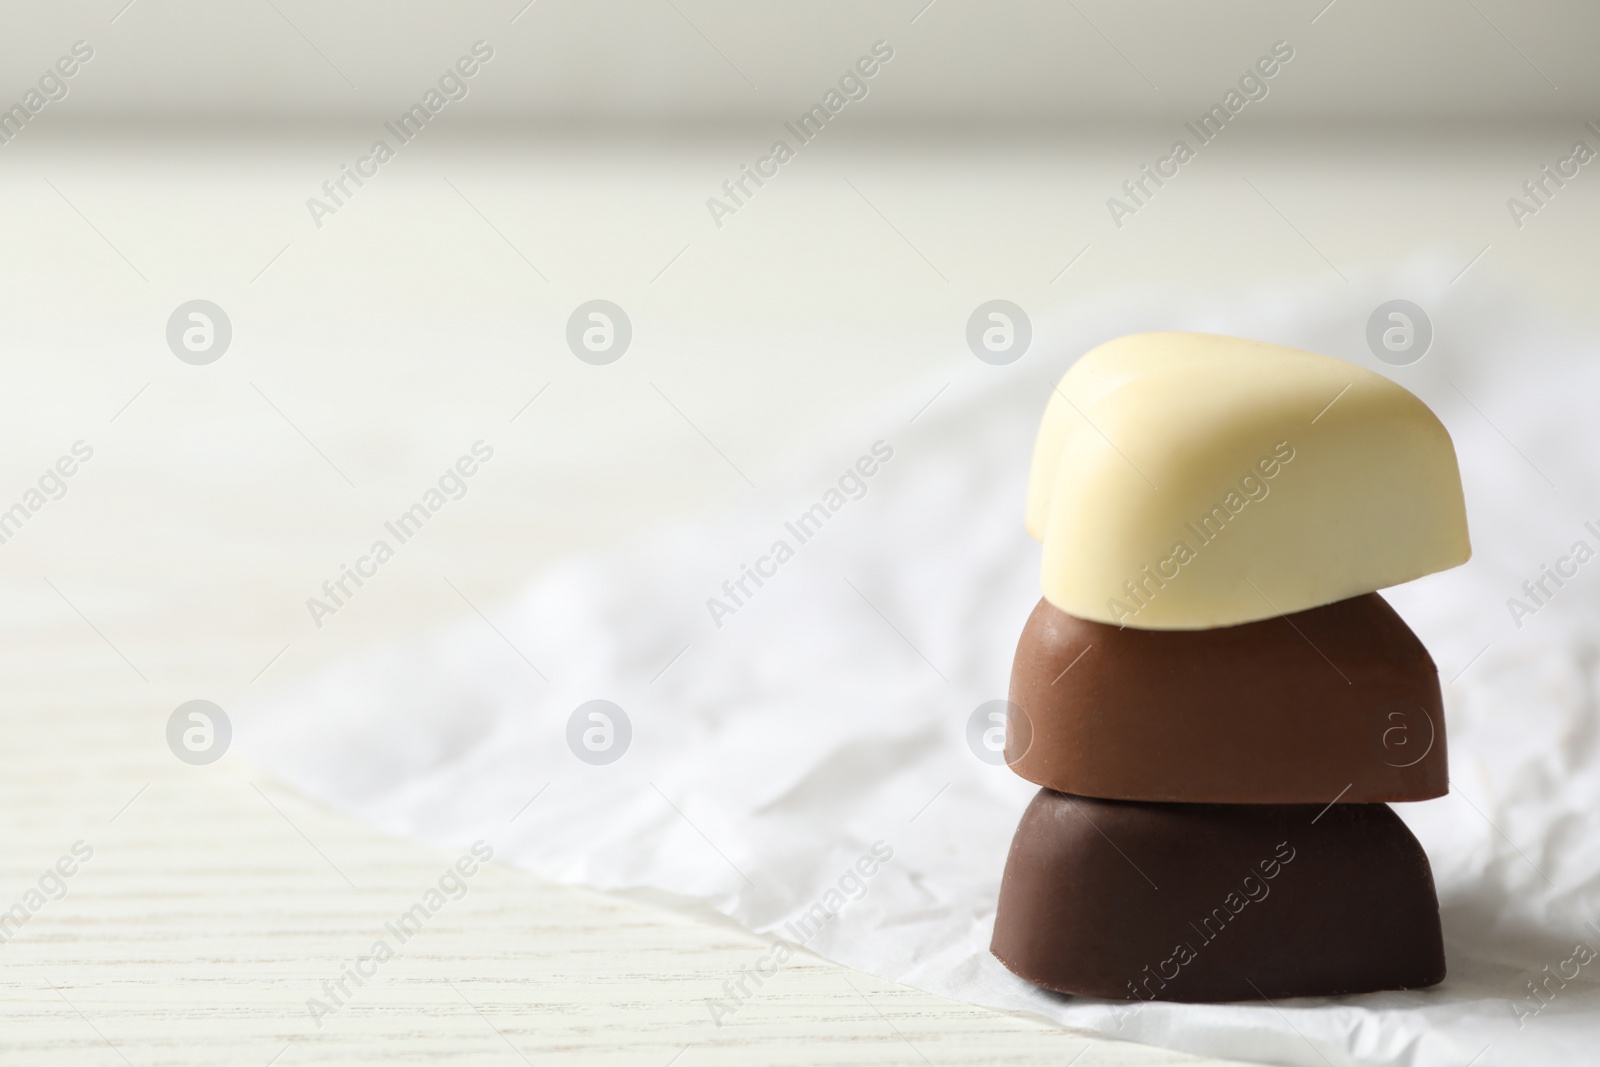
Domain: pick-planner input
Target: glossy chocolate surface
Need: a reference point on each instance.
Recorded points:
(1341, 700)
(1207, 902)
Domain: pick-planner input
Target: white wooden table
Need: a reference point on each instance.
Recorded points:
(366, 354)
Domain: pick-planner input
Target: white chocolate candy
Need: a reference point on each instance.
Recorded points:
(1183, 481)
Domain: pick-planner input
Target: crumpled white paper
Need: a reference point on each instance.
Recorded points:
(830, 710)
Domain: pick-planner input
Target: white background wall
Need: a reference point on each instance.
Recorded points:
(599, 60)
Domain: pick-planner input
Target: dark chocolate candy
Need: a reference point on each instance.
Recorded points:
(1288, 710)
(1211, 902)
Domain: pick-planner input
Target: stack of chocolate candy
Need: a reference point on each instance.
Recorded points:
(1217, 702)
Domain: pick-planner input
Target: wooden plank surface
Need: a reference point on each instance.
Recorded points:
(216, 904)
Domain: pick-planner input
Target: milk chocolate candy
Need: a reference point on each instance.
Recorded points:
(1209, 902)
(1185, 480)
(1338, 701)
